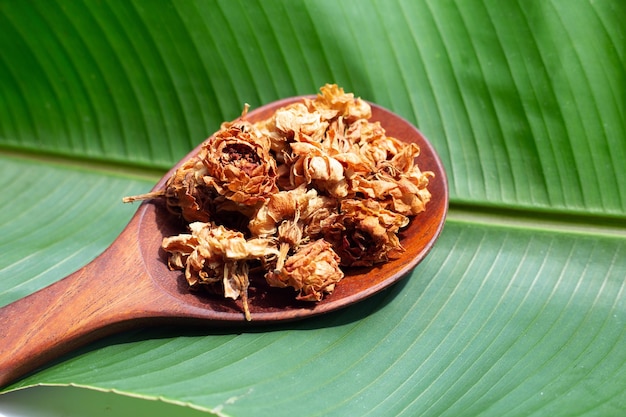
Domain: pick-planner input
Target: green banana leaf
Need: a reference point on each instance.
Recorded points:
(520, 308)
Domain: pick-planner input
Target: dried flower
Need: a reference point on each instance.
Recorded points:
(333, 102)
(310, 165)
(363, 233)
(297, 123)
(213, 254)
(312, 271)
(304, 206)
(280, 206)
(404, 194)
(185, 192)
(239, 164)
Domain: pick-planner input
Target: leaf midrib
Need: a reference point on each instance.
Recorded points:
(103, 166)
(558, 221)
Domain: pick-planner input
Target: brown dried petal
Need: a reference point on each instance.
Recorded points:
(317, 210)
(303, 208)
(280, 206)
(214, 254)
(239, 164)
(405, 194)
(179, 247)
(186, 193)
(312, 271)
(363, 233)
(236, 283)
(312, 165)
(334, 102)
(296, 122)
(411, 195)
(226, 244)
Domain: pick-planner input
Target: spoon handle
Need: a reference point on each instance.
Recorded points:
(103, 297)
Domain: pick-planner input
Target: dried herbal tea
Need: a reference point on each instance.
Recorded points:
(318, 188)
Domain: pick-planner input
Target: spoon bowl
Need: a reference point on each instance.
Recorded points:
(130, 284)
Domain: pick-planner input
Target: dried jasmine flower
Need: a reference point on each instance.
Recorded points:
(291, 217)
(313, 270)
(363, 233)
(403, 193)
(310, 165)
(185, 192)
(297, 123)
(239, 164)
(333, 102)
(314, 187)
(279, 207)
(213, 254)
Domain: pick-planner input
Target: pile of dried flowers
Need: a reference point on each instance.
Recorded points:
(314, 188)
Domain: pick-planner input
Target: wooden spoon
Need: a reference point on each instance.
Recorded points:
(130, 285)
